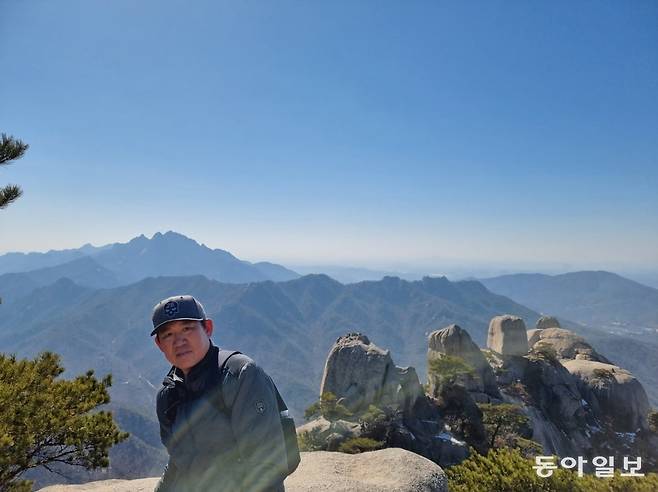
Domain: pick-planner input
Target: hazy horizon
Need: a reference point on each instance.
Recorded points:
(422, 135)
(454, 269)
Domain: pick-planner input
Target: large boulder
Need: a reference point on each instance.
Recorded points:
(618, 394)
(566, 343)
(547, 322)
(387, 470)
(139, 485)
(456, 342)
(360, 374)
(507, 335)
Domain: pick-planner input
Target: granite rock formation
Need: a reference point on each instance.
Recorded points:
(547, 322)
(456, 342)
(614, 391)
(507, 336)
(566, 343)
(361, 374)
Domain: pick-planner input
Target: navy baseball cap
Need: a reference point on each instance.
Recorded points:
(174, 308)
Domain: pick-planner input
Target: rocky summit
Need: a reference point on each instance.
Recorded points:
(388, 470)
(507, 335)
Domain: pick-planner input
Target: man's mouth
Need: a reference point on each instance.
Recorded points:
(183, 352)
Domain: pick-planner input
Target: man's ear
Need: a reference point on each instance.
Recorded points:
(156, 339)
(208, 327)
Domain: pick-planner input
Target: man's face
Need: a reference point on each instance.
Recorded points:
(184, 342)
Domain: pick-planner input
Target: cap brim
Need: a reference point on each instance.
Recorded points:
(155, 330)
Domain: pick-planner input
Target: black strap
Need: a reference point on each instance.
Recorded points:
(222, 359)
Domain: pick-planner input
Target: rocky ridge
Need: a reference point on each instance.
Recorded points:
(576, 401)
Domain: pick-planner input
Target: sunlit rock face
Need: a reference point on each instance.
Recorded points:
(547, 322)
(566, 343)
(507, 335)
(616, 391)
(360, 374)
(456, 342)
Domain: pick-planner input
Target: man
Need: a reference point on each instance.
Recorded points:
(222, 431)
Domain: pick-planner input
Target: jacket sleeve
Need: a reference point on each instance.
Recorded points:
(256, 425)
(166, 483)
(168, 479)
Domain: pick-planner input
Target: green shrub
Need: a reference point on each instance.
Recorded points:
(357, 445)
(604, 374)
(652, 418)
(448, 369)
(312, 411)
(502, 420)
(372, 415)
(328, 407)
(506, 470)
(48, 420)
(546, 351)
(311, 440)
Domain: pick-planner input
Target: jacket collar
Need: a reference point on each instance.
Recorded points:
(198, 377)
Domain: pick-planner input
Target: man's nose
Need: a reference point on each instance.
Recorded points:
(179, 338)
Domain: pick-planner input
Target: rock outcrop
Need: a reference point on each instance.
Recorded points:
(616, 392)
(387, 470)
(507, 336)
(456, 342)
(550, 398)
(566, 343)
(547, 322)
(361, 374)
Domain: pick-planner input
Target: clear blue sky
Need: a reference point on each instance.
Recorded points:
(337, 132)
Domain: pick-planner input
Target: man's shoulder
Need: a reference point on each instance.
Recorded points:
(236, 362)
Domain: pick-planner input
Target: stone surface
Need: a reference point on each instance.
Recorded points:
(547, 322)
(533, 336)
(325, 428)
(566, 343)
(618, 394)
(455, 341)
(360, 374)
(550, 397)
(387, 470)
(507, 335)
(139, 485)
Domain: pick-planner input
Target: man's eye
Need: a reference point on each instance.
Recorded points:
(166, 335)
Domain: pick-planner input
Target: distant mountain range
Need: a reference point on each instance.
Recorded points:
(169, 254)
(598, 299)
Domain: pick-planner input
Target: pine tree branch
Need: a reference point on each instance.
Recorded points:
(11, 148)
(8, 194)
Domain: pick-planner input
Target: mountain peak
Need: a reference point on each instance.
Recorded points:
(172, 236)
